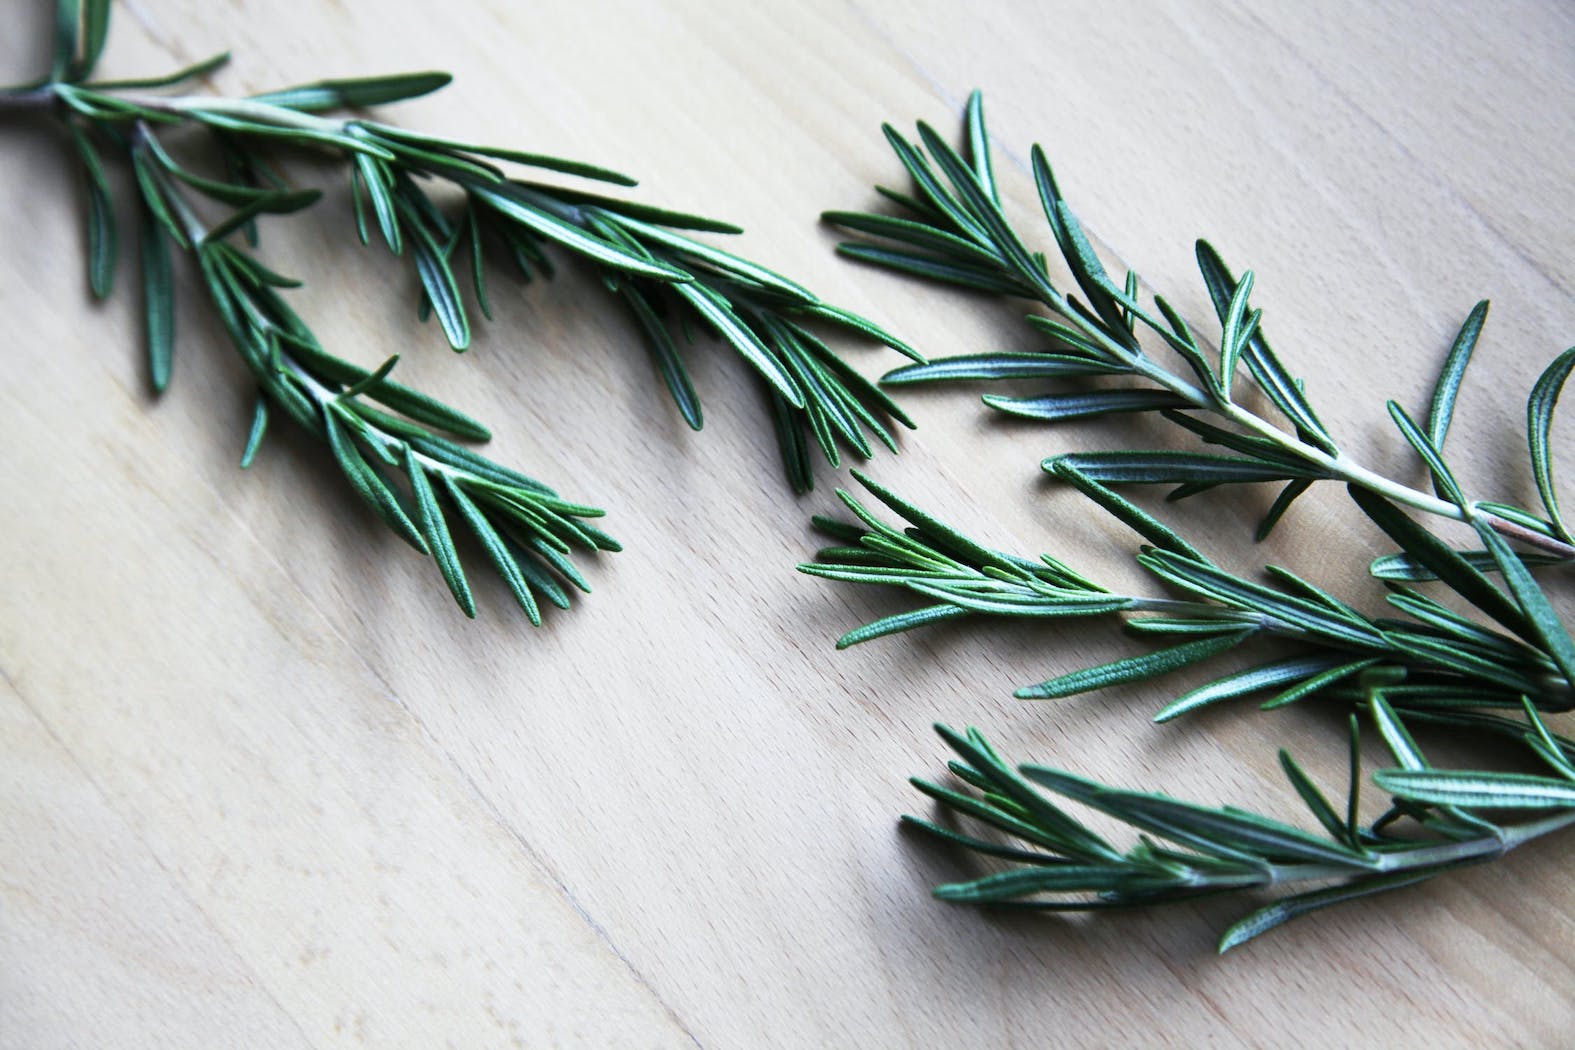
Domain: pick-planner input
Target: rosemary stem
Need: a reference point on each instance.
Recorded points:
(1484, 847)
(1181, 607)
(1337, 465)
(27, 99)
(261, 112)
(1409, 859)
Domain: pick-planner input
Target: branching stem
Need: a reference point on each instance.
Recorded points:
(26, 99)
(1336, 466)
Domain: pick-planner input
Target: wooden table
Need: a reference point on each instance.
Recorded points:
(263, 785)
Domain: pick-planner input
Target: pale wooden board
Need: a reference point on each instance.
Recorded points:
(263, 785)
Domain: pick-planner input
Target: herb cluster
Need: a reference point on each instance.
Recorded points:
(1499, 673)
(448, 206)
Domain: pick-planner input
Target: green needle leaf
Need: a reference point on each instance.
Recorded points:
(1165, 467)
(1444, 482)
(1060, 407)
(996, 366)
(1281, 388)
(729, 326)
(1321, 809)
(930, 188)
(95, 31)
(478, 268)
(373, 174)
(982, 209)
(534, 160)
(254, 438)
(370, 380)
(1281, 504)
(1233, 329)
(192, 72)
(68, 24)
(442, 289)
(1311, 685)
(898, 622)
(496, 549)
(1448, 385)
(676, 220)
(512, 206)
(1545, 622)
(368, 484)
(727, 262)
(1455, 787)
(933, 267)
(102, 241)
(356, 94)
(979, 145)
(665, 353)
(1090, 272)
(917, 234)
(281, 202)
(434, 526)
(1280, 912)
(158, 299)
(1396, 736)
(1271, 675)
(1128, 513)
(1227, 831)
(1539, 420)
(862, 325)
(1133, 668)
(1442, 561)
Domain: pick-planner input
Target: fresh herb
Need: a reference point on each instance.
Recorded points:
(1186, 851)
(448, 206)
(1496, 675)
(1446, 660)
(952, 230)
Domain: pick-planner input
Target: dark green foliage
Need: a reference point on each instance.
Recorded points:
(953, 230)
(1494, 675)
(447, 205)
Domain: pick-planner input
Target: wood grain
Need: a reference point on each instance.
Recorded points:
(263, 785)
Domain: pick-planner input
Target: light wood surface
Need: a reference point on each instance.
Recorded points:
(261, 784)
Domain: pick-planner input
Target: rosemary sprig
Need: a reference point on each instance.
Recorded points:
(451, 205)
(1429, 665)
(1186, 851)
(447, 205)
(1446, 660)
(1495, 674)
(527, 531)
(951, 229)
